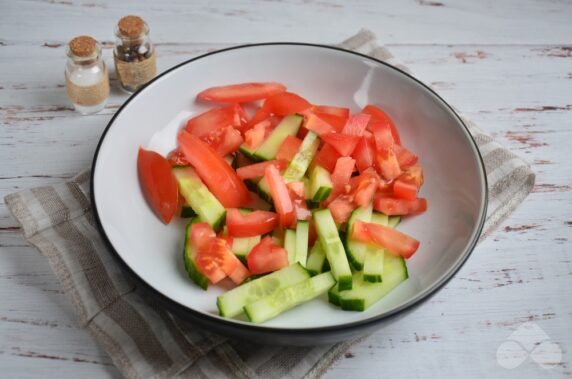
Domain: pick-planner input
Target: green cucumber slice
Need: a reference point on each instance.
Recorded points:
(331, 243)
(248, 152)
(189, 254)
(290, 244)
(320, 184)
(356, 250)
(243, 245)
(373, 264)
(301, 161)
(289, 297)
(288, 127)
(316, 259)
(393, 221)
(302, 234)
(197, 195)
(380, 218)
(187, 211)
(263, 190)
(232, 303)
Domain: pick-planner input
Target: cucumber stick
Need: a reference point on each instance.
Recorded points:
(356, 250)
(331, 243)
(197, 195)
(301, 161)
(302, 235)
(288, 127)
(379, 219)
(320, 184)
(290, 244)
(189, 254)
(373, 264)
(316, 259)
(393, 221)
(289, 297)
(242, 246)
(232, 303)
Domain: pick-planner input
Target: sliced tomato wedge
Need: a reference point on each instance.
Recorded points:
(327, 157)
(280, 197)
(341, 177)
(257, 170)
(379, 115)
(336, 122)
(208, 267)
(405, 157)
(364, 154)
(356, 124)
(299, 201)
(240, 274)
(288, 148)
(208, 124)
(177, 158)
(241, 93)
(317, 125)
(158, 184)
(387, 164)
(254, 137)
(403, 189)
(414, 174)
(341, 209)
(399, 207)
(228, 141)
(261, 114)
(332, 110)
(250, 224)
(365, 187)
(266, 257)
(381, 134)
(202, 235)
(344, 144)
(219, 177)
(394, 241)
(286, 103)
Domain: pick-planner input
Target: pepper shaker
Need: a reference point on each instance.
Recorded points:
(134, 54)
(87, 80)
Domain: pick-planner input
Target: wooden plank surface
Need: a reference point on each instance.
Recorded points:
(507, 65)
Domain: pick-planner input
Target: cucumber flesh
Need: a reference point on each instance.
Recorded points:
(288, 127)
(290, 244)
(316, 259)
(301, 161)
(197, 195)
(248, 152)
(263, 190)
(289, 297)
(373, 264)
(242, 246)
(356, 250)
(331, 243)
(232, 303)
(302, 234)
(320, 184)
(189, 254)
(393, 221)
(379, 219)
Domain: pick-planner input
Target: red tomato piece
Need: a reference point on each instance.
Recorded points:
(280, 196)
(356, 124)
(208, 267)
(202, 235)
(250, 224)
(286, 103)
(382, 135)
(341, 209)
(212, 121)
(266, 257)
(221, 254)
(257, 134)
(365, 187)
(387, 164)
(414, 174)
(261, 114)
(219, 177)
(317, 125)
(403, 189)
(336, 122)
(257, 170)
(241, 93)
(379, 115)
(341, 177)
(364, 154)
(332, 110)
(327, 157)
(399, 207)
(158, 184)
(299, 201)
(344, 144)
(177, 158)
(405, 157)
(228, 141)
(394, 241)
(288, 148)
(240, 274)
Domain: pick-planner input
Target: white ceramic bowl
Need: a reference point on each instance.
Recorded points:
(455, 180)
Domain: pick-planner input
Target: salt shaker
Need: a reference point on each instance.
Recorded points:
(87, 80)
(134, 54)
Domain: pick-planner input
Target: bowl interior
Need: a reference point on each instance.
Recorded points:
(454, 179)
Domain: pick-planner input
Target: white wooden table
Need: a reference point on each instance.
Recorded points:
(505, 64)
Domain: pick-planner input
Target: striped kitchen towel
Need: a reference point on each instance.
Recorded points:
(145, 341)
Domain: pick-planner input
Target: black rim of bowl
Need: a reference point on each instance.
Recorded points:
(417, 300)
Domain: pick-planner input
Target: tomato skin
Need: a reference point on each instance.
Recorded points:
(344, 144)
(219, 177)
(288, 148)
(241, 93)
(266, 257)
(228, 141)
(261, 114)
(404, 190)
(341, 209)
(158, 184)
(202, 235)
(356, 124)
(286, 103)
(327, 157)
(364, 154)
(394, 241)
(209, 123)
(177, 158)
(257, 170)
(382, 135)
(399, 207)
(379, 115)
(280, 197)
(332, 110)
(251, 224)
(317, 125)
(405, 157)
(387, 164)
(336, 122)
(341, 177)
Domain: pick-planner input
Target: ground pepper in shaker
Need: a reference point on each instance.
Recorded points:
(87, 80)
(134, 54)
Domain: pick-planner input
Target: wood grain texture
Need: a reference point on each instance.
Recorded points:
(506, 65)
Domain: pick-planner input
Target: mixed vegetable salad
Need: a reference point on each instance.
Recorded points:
(290, 203)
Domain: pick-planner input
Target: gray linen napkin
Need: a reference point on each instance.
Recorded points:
(145, 341)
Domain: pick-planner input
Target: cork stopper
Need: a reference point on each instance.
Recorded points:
(83, 46)
(131, 26)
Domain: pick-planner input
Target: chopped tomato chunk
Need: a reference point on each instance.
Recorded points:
(327, 157)
(331, 110)
(257, 170)
(177, 158)
(365, 187)
(394, 241)
(280, 197)
(399, 207)
(241, 93)
(209, 123)
(344, 144)
(288, 148)
(341, 208)
(261, 114)
(403, 189)
(317, 125)
(202, 235)
(387, 164)
(405, 157)
(228, 141)
(257, 134)
(364, 154)
(266, 257)
(336, 122)
(356, 124)
(251, 224)
(208, 267)
(379, 115)
(414, 174)
(286, 103)
(341, 177)
(381, 134)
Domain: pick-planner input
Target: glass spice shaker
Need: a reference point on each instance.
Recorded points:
(134, 54)
(87, 80)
